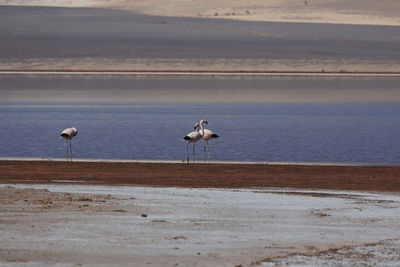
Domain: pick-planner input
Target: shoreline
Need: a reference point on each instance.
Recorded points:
(218, 175)
(202, 72)
(221, 162)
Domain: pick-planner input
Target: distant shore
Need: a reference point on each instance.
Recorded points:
(221, 65)
(251, 36)
(362, 12)
(202, 72)
(219, 175)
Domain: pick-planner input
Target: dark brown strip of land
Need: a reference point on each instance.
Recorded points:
(362, 178)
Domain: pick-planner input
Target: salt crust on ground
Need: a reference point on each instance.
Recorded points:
(73, 224)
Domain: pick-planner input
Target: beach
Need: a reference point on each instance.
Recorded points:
(174, 214)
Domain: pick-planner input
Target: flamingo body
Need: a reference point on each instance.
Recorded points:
(69, 133)
(208, 135)
(193, 137)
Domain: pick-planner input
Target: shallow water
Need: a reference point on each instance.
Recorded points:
(274, 119)
(294, 132)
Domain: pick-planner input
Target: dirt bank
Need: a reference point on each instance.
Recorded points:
(364, 178)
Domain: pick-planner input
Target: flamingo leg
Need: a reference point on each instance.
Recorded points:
(205, 151)
(70, 147)
(67, 149)
(208, 152)
(194, 145)
(187, 152)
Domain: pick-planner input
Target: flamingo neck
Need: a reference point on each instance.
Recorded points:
(201, 129)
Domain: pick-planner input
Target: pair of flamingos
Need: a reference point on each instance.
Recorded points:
(196, 135)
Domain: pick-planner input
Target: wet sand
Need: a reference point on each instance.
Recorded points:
(360, 178)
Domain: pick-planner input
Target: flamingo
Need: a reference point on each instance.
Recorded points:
(68, 134)
(192, 137)
(207, 135)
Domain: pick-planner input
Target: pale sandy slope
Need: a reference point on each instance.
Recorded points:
(382, 12)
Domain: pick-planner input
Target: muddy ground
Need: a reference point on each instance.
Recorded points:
(364, 178)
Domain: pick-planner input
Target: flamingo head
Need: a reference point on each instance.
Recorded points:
(75, 130)
(196, 126)
(203, 121)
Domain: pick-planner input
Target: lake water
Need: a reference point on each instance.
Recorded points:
(290, 131)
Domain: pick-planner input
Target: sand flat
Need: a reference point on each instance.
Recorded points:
(136, 226)
(163, 214)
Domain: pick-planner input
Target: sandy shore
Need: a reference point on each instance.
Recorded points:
(365, 178)
(176, 214)
(114, 38)
(211, 65)
(74, 225)
(323, 11)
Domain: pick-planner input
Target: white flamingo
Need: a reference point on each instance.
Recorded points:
(192, 137)
(68, 134)
(207, 135)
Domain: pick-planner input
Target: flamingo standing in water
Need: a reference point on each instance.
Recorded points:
(68, 134)
(192, 137)
(207, 135)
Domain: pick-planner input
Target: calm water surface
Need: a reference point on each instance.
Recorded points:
(293, 132)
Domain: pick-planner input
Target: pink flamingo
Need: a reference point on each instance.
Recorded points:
(192, 137)
(68, 134)
(207, 135)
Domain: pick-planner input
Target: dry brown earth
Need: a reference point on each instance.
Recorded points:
(364, 178)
